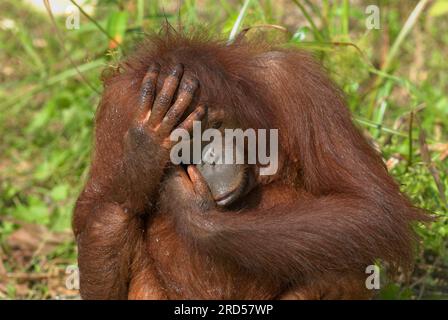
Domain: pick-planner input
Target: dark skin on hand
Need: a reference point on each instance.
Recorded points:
(218, 182)
(224, 183)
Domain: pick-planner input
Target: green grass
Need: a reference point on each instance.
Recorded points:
(47, 110)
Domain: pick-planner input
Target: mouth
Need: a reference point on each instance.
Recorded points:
(226, 198)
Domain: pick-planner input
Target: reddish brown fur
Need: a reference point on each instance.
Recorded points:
(332, 210)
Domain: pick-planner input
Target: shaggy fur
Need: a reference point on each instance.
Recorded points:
(331, 211)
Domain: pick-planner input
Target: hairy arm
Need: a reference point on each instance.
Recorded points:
(125, 176)
(302, 242)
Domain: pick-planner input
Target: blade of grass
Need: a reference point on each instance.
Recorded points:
(345, 18)
(61, 42)
(316, 31)
(153, 8)
(313, 7)
(140, 12)
(327, 46)
(102, 30)
(267, 26)
(382, 111)
(318, 45)
(187, 12)
(426, 156)
(239, 21)
(27, 44)
(56, 79)
(410, 149)
(407, 27)
(379, 126)
(326, 18)
(409, 24)
(226, 6)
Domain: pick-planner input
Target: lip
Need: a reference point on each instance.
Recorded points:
(230, 196)
(226, 198)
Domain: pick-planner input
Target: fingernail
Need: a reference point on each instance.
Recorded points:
(195, 82)
(200, 111)
(154, 67)
(177, 70)
(190, 85)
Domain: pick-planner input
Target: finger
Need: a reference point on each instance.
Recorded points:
(148, 89)
(165, 96)
(199, 184)
(174, 114)
(197, 115)
(187, 125)
(179, 174)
